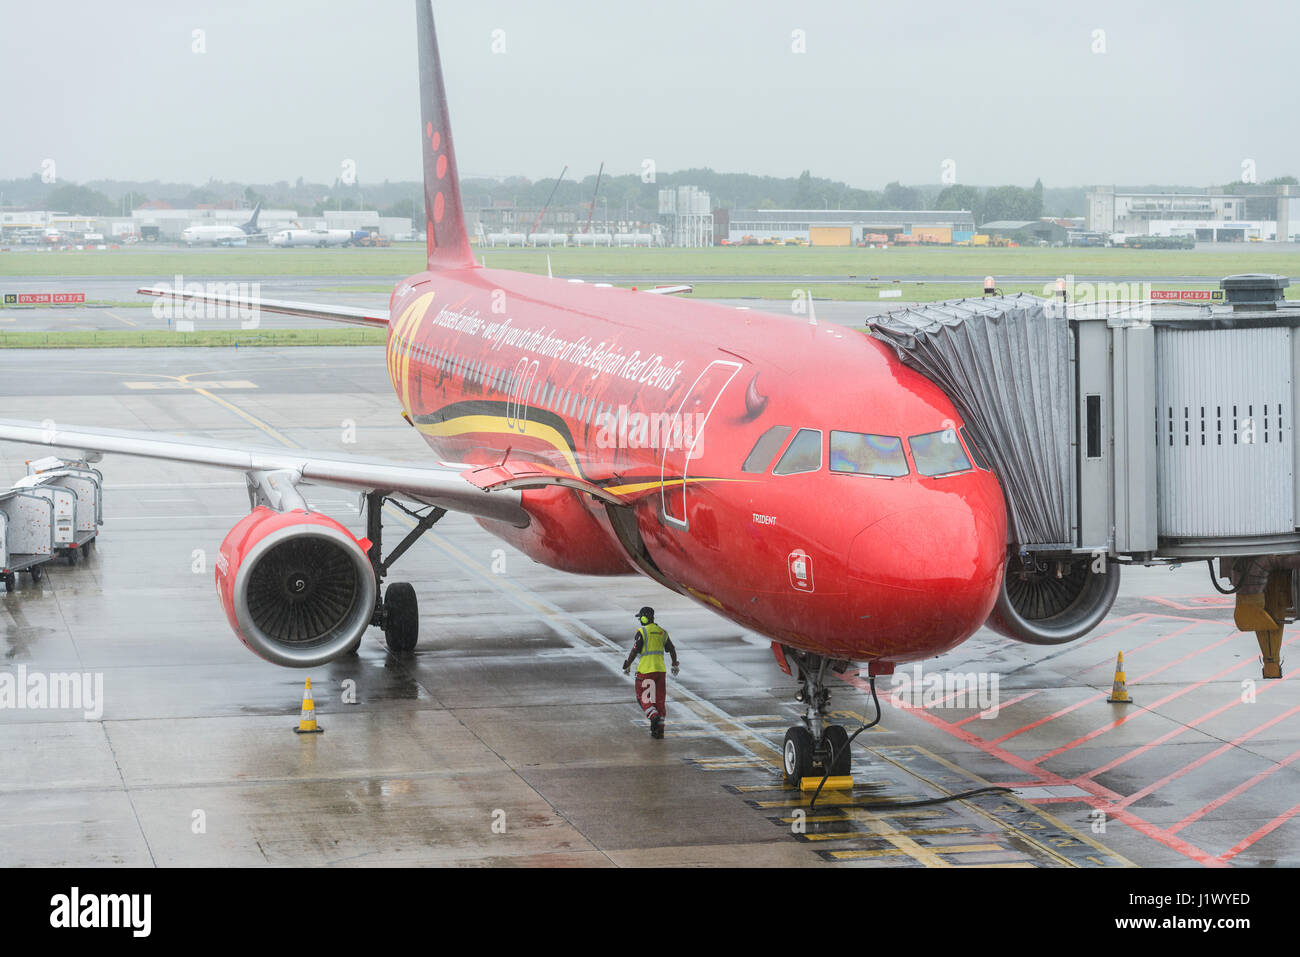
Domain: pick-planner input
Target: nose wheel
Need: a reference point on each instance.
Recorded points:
(816, 748)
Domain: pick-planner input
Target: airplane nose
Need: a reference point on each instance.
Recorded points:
(927, 576)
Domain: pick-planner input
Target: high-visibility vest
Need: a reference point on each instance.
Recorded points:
(652, 649)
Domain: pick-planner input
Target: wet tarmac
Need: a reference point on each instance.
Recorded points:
(511, 736)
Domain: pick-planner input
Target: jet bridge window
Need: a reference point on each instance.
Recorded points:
(803, 455)
(865, 454)
(938, 453)
(765, 449)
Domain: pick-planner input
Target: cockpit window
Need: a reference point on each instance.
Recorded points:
(974, 450)
(938, 453)
(803, 455)
(765, 449)
(867, 454)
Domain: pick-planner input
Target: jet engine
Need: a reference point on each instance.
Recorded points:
(298, 588)
(1051, 601)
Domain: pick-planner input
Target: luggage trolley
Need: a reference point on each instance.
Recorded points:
(27, 532)
(86, 485)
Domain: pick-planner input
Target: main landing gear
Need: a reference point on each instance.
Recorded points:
(397, 612)
(816, 748)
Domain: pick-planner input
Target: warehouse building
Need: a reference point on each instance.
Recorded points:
(847, 227)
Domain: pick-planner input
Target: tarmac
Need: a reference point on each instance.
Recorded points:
(511, 736)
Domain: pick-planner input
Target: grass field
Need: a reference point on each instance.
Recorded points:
(162, 338)
(720, 261)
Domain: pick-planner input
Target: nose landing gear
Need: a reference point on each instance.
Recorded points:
(817, 748)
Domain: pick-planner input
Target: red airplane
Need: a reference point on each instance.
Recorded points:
(795, 478)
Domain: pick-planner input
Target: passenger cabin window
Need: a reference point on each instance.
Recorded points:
(765, 449)
(862, 453)
(938, 453)
(803, 455)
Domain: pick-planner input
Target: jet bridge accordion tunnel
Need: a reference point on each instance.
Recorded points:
(1125, 432)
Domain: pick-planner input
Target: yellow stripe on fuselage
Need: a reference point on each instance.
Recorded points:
(417, 312)
(497, 425)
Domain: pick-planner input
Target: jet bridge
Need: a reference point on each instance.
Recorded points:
(1121, 432)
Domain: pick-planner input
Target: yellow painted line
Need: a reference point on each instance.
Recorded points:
(121, 319)
(859, 855)
(997, 864)
(967, 848)
(835, 799)
(250, 419)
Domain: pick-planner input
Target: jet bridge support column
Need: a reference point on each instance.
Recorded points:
(1263, 598)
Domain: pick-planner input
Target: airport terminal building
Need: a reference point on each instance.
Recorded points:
(1209, 215)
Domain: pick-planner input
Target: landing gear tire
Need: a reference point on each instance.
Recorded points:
(797, 755)
(836, 741)
(401, 618)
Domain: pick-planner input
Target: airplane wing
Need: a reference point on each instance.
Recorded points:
(375, 318)
(440, 486)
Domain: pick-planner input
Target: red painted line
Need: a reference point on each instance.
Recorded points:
(1137, 796)
(1170, 735)
(1138, 618)
(1267, 829)
(1102, 694)
(1151, 708)
(1205, 601)
(1239, 789)
(1077, 799)
(1102, 797)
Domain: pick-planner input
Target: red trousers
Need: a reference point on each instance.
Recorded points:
(651, 693)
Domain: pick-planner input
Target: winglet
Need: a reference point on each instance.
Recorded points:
(447, 242)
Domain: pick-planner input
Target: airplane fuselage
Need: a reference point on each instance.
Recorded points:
(638, 435)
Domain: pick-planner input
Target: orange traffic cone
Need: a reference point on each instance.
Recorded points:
(1119, 690)
(307, 723)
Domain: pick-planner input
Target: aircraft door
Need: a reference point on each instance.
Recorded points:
(684, 440)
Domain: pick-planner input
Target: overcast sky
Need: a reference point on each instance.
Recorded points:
(1183, 92)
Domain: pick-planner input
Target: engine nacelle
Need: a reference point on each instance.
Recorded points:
(298, 589)
(1055, 603)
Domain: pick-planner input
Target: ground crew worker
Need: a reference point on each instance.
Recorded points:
(650, 684)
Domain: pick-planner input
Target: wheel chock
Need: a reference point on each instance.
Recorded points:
(836, 782)
(1119, 690)
(307, 723)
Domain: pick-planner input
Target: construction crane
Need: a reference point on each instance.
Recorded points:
(592, 210)
(547, 204)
